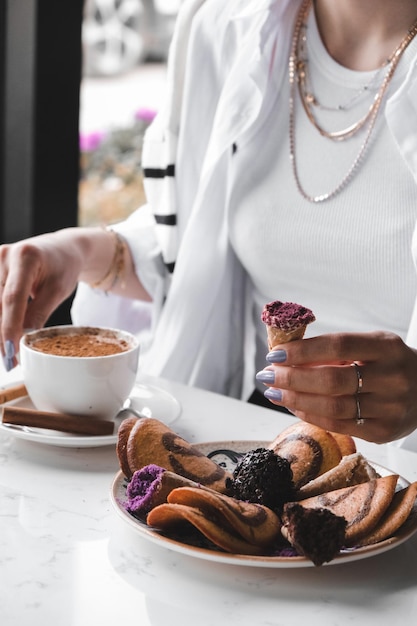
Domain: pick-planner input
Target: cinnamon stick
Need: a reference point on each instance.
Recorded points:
(11, 393)
(56, 421)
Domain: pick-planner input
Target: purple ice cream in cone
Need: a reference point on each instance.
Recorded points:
(285, 321)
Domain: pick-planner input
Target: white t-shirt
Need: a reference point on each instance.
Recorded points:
(348, 259)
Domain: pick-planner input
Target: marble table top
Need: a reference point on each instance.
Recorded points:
(67, 558)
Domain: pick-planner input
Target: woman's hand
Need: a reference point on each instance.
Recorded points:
(39, 273)
(317, 381)
(36, 275)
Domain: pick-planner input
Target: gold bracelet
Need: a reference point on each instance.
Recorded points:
(117, 265)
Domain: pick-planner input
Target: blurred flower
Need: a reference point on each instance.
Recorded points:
(145, 115)
(111, 181)
(91, 141)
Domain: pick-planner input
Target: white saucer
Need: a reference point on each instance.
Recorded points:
(146, 399)
(152, 401)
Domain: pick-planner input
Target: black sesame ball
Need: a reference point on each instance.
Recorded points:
(263, 477)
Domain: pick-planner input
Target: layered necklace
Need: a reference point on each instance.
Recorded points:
(299, 82)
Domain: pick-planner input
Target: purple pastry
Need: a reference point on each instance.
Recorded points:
(149, 487)
(285, 321)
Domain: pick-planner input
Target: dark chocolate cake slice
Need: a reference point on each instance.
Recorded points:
(317, 534)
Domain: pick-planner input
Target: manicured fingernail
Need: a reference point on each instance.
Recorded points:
(273, 394)
(9, 349)
(8, 358)
(277, 356)
(266, 376)
(8, 363)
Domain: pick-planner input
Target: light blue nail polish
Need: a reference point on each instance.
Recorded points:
(8, 363)
(277, 356)
(273, 394)
(9, 349)
(265, 376)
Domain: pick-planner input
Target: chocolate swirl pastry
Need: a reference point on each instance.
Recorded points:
(232, 525)
(362, 505)
(353, 469)
(145, 441)
(310, 450)
(394, 517)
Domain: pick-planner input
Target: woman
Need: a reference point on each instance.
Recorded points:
(283, 167)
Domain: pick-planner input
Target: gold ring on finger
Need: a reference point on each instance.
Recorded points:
(359, 377)
(360, 421)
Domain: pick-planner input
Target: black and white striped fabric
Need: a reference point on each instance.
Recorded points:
(160, 144)
(159, 182)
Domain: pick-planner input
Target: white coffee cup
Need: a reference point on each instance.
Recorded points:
(90, 385)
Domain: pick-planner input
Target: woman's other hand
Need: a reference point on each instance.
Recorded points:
(316, 379)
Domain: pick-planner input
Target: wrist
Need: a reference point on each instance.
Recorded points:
(116, 270)
(96, 248)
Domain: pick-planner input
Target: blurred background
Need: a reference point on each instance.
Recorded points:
(120, 34)
(80, 82)
(125, 48)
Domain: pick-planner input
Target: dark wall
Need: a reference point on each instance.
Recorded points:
(2, 100)
(57, 87)
(40, 75)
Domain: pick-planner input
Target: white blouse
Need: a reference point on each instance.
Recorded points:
(220, 93)
(348, 259)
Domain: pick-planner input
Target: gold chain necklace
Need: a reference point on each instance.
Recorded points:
(311, 100)
(296, 71)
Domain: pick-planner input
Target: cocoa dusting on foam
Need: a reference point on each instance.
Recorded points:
(286, 315)
(83, 344)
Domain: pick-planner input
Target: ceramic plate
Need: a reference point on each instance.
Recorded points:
(227, 453)
(149, 400)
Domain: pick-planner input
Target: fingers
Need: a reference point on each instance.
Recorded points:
(319, 379)
(36, 275)
(21, 278)
(334, 379)
(334, 407)
(340, 414)
(362, 384)
(374, 430)
(342, 348)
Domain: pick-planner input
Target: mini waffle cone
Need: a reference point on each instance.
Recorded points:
(277, 336)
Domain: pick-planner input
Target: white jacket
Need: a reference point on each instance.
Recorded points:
(227, 60)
